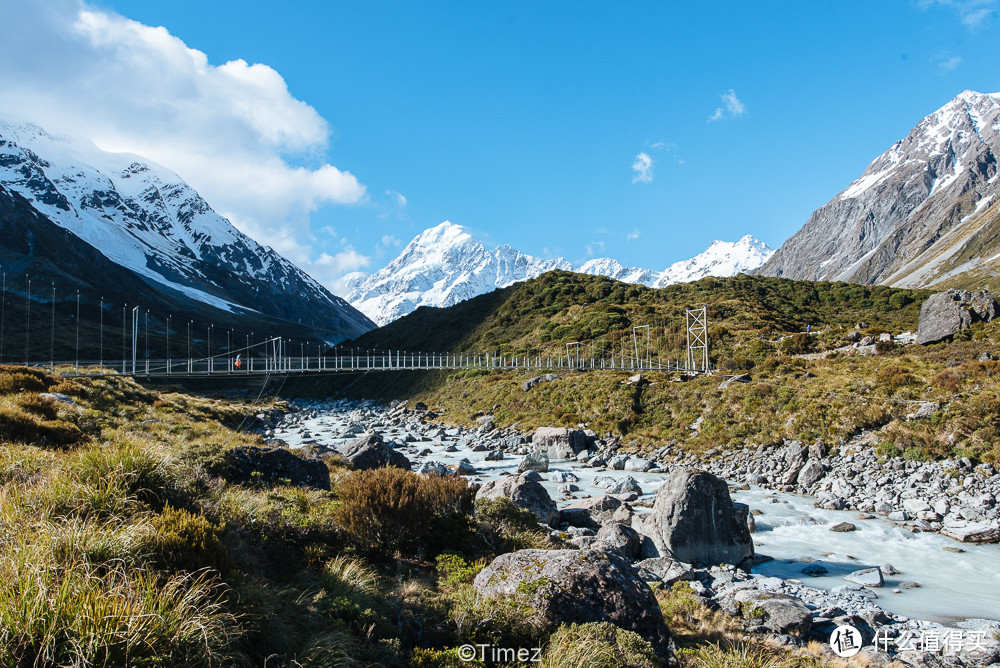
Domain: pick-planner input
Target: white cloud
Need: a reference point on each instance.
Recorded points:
(330, 269)
(946, 62)
(398, 197)
(643, 168)
(633, 235)
(732, 107)
(389, 240)
(593, 248)
(973, 13)
(233, 131)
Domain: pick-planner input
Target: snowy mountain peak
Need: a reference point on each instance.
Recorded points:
(918, 215)
(144, 217)
(444, 265)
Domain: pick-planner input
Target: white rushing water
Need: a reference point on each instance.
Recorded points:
(789, 529)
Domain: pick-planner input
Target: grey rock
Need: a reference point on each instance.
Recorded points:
(527, 494)
(621, 537)
(843, 527)
(946, 313)
(247, 464)
(974, 532)
(561, 443)
(638, 464)
(536, 460)
(369, 451)
(868, 577)
(780, 613)
(815, 570)
(579, 586)
(740, 378)
(494, 455)
(811, 473)
(433, 468)
(626, 485)
(544, 378)
(595, 511)
(57, 397)
(666, 569)
(693, 520)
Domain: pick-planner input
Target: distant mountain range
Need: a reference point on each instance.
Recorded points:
(923, 214)
(444, 265)
(164, 242)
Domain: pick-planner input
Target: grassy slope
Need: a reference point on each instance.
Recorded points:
(122, 544)
(751, 318)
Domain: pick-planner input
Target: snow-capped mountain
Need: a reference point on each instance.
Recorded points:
(924, 213)
(441, 266)
(145, 218)
(445, 265)
(721, 258)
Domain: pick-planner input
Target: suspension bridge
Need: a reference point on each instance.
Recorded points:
(141, 340)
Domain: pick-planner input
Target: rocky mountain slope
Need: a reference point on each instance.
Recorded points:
(924, 213)
(146, 219)
(445, 265)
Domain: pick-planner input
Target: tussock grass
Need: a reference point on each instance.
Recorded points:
(598, 645)
(78, 616)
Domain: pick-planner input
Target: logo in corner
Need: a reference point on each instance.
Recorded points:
(845, 641)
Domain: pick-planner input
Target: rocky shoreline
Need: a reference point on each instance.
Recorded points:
(955, 498)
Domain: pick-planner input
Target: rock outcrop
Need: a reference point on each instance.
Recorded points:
(271, 466)
(922, 212)
(369, 451)
(524, 493)
(579, 586)
(560, 442)
(945, 314)
(694, 521)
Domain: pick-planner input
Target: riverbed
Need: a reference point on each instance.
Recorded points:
(790, 528)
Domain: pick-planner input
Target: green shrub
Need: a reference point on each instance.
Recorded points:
(389, 509)
(440, 658)
(19, 426)
(21, 379)
(893, 377)
(798, 344)
(887, 450)
(187, 542)
(453, 570)
(598, 645)
(504, 526)
(36, 405)
(79, 616)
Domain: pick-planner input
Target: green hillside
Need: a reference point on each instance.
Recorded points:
(805, 386)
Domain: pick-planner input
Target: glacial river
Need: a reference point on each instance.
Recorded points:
(789, 529)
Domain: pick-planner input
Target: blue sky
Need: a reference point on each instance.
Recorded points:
(636, 130)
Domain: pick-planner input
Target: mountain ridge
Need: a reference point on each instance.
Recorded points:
(145, 218)
(924, 213)
(444, 265)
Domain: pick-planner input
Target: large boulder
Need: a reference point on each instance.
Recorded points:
(269, 466)
(579, 586)
(524, 493)
(946, 313)
(694, 520)
(596, 511)
(780, 613)
(544, 378)
(560, 442)
(811, 473)
(621, 537)
(369, 451)
(536, 460)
